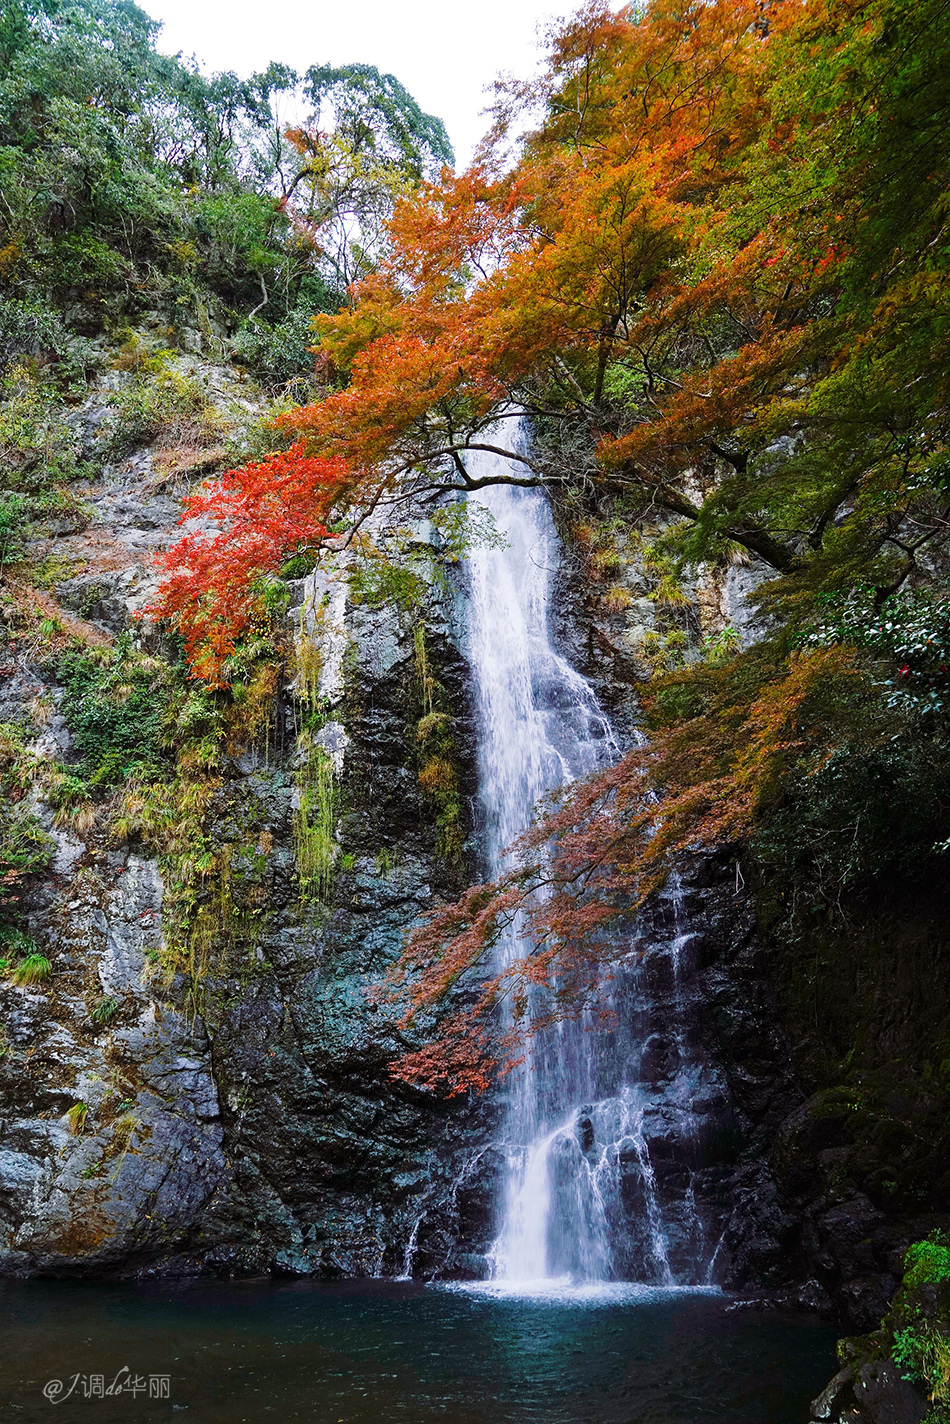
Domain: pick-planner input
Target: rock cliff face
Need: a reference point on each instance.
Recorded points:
(254, 1127)
(257, 1129)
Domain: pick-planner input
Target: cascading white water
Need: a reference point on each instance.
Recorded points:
(574, 1122)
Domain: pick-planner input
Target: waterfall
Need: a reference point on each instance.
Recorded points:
(580, 1198)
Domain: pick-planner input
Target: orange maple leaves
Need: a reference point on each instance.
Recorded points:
(523, 287)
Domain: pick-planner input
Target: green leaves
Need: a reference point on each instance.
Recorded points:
(909, 632)
(132, 181)
(115, 709)
(927, 1262)
(14, 511)
(377, 113)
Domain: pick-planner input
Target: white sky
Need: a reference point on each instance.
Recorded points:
(445, 54)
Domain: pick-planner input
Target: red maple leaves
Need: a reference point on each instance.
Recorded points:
(214, 588)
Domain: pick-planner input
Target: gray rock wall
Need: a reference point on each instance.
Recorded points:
(252, 1125)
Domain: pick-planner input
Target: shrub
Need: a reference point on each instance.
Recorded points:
(279, 355)
(927, 1262)
(14, 941)
(28, 329)
(38, 448)
(14, 510)
(909, 633)
(919, 1323)
(158, 402)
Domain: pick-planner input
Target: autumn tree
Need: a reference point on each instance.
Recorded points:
(666, 300)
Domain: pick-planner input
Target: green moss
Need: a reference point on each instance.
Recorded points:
(437, 755)
(316, 818)
(211, 848)
(139, 726)
(115, 702)
(215, 897)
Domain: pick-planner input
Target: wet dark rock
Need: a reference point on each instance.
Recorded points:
(832, 1400)
(874, 1393)
(659, 1060)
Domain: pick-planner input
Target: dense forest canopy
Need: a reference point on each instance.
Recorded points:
(715, 280)
(132, 181)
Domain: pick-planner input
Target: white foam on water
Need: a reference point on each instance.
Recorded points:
(565, 1292)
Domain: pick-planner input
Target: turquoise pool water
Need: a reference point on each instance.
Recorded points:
(375, 1352)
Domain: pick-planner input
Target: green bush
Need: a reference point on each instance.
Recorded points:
(919, 1323)
(158, 401)
(909, 632)
(14, 511)
(928, 1262)
(14, 941)
(38, 449)
(115, 710)
(28, 329)
(278, 354)
(876, 803)
(25, 848)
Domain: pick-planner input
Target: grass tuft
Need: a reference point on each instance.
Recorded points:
(31, 970)
(76, 1118)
